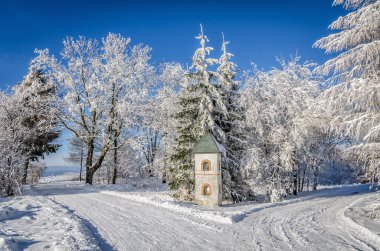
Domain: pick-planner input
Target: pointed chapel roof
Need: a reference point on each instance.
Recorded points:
(208, 144)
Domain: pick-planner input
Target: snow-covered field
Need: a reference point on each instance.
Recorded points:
(68, 215)
(59, 173)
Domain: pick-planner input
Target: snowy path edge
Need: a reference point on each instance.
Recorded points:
(206, 215)
(360, 228)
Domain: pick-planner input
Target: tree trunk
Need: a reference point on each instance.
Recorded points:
(81, 163)
(295, 181)
(114, 162)
(89, 169)
(299, 180)
(89, 175)
(315, 180)
(303, 178)
(108, 174)
(98, 162)
(25, 175)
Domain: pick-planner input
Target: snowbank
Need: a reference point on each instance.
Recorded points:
(165, 201)
(137, 216)
(363, 215)
(8, 244)
(135, 184)
(324, 187)
(148, 191)
(374, 210)
(39, 223)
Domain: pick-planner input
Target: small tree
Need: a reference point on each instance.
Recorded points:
(35, 99)
(77, 153)
(150, 147)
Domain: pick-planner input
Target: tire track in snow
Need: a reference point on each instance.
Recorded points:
(310, 222)
(90, 229)
(190, 215)
(131, 225)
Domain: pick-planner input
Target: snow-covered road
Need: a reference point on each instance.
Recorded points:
(316, 220)
(128, 225)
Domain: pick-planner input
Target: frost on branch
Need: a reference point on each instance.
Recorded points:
(102, 86)
(353, 103)
(275, 104)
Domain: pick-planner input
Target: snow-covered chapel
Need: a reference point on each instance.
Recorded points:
(208, 175)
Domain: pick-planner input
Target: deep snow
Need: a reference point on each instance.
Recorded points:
(68, 215)
(39, 223)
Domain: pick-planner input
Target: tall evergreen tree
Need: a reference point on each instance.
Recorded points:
(234, 186)
(196, 117)
(36, 100)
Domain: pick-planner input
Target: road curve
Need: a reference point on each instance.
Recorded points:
(316, 221)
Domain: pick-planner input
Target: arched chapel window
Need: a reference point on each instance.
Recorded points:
(206, 189)
(206, 165)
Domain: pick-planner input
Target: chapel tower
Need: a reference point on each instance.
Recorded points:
(208, 171)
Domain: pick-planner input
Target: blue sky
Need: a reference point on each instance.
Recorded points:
(258, 30)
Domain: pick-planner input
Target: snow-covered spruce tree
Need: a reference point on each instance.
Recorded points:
(28, 127)
(36, 102)
(198, 103)
(234, 186)
(102, 87)
(11, 154)
(353, 101)
(273, 102)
